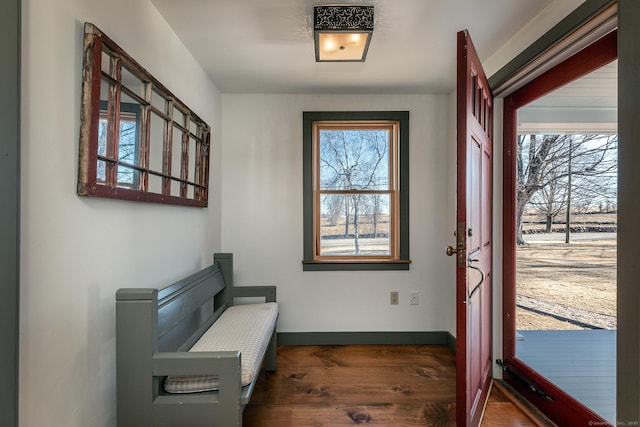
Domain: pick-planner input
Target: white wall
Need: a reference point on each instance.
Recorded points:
(75, 251)
(529, 33)
(262, 216)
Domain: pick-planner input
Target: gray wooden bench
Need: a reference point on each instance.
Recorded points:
(154, 331)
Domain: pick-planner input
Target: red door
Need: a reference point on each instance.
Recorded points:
(473, 235)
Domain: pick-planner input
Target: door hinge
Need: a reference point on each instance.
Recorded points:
(534, 388)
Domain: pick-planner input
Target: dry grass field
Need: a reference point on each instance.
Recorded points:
(567, 286)
(366, 226)
(559, 286)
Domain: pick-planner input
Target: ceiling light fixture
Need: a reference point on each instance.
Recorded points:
(342, 33)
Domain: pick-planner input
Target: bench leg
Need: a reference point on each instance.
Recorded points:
(270, 357)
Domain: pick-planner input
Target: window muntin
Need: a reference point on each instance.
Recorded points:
(137, 140)
(356, 183)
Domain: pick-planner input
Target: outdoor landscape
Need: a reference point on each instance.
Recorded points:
(567, 285)
(566, 219)
(566, 225)
(560, 286)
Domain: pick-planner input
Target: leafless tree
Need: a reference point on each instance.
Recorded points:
(127, 149)
(354, 161)
(551, 199)
(545, 163)
(334, 204)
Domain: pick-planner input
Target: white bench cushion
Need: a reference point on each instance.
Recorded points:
(245, 328)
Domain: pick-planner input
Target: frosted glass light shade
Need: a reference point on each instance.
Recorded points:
(342, 33)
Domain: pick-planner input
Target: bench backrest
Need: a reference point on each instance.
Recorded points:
(170, 319)
(186, 309)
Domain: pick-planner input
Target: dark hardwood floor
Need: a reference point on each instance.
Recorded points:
(381, 385)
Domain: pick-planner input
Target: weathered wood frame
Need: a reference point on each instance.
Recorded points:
(154, 330)
(193, 130)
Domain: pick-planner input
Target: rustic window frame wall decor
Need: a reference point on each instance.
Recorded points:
(163, 158)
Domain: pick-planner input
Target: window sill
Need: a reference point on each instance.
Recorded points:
(351, 265)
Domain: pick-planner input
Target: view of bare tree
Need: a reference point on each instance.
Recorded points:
(556, 172)
(127, 148)
(353, 165)
(551, 199)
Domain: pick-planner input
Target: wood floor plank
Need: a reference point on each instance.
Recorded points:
(367, 355)
(521, 410)
(497, 395)
(505, 414)
(435, 414)
(393, 386)
(355, 385)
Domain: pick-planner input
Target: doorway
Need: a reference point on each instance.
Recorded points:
(560, 237)
(567, 238)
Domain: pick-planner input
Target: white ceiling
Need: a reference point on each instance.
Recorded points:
(588, 104)
(266, 46)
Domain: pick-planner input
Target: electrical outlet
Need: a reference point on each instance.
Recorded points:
(413, 298)
(394, 298)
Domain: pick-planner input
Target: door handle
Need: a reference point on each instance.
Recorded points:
(459, 249)
(479, 270)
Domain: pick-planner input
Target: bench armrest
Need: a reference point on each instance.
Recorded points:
(225, 365)
(196, 363)
(268, 292)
